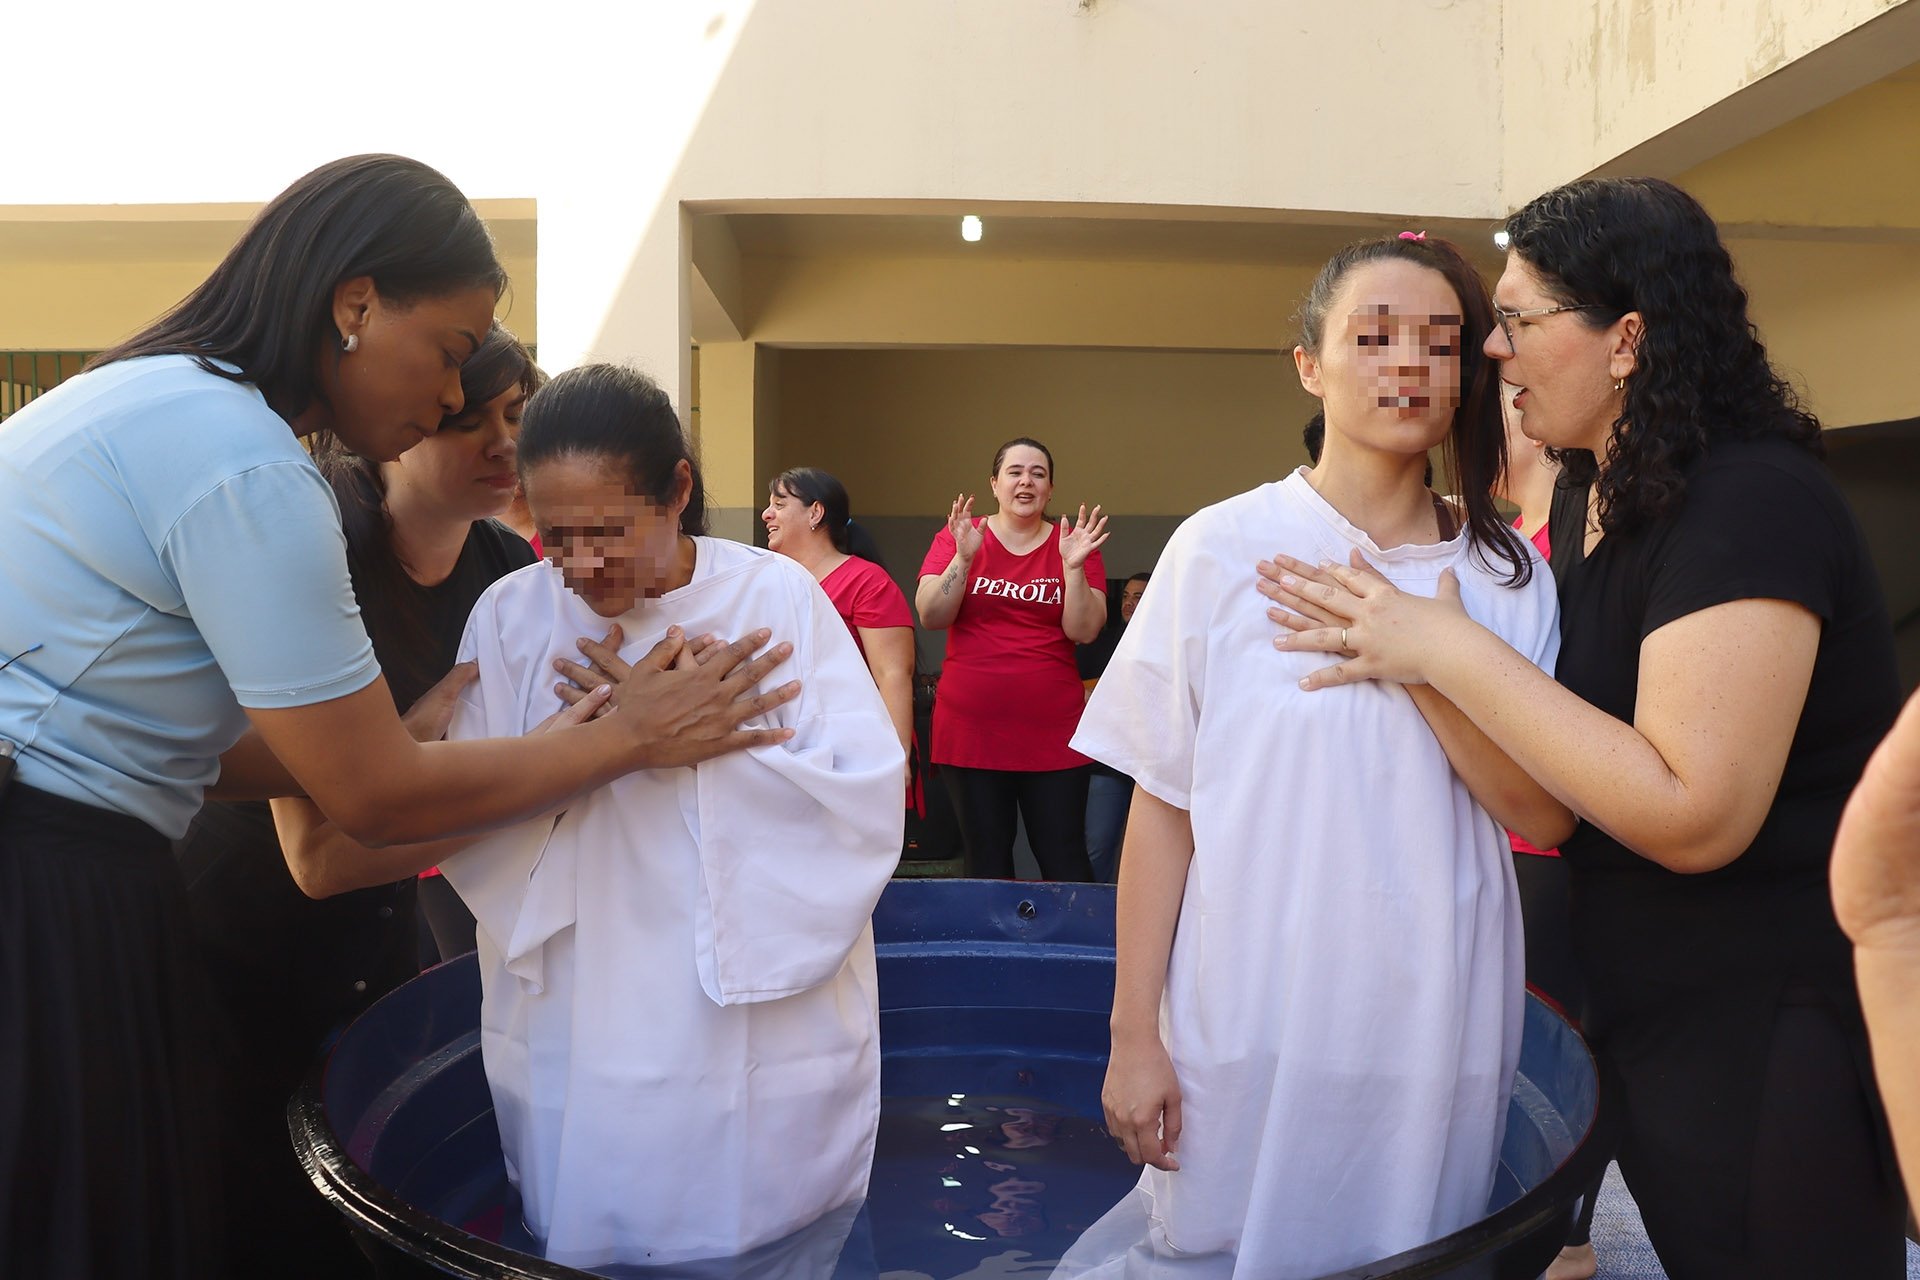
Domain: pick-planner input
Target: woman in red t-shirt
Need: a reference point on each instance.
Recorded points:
(809, 519)
(1017, 596)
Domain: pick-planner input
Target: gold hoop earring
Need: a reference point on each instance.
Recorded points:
(1619, 384)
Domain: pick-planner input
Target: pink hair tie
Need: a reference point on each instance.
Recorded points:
(1413, 235)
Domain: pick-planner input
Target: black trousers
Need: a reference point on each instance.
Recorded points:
(1818, 1195)
(1053, 803)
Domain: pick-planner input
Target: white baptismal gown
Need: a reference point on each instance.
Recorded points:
(1343, 999)
(679, 1018)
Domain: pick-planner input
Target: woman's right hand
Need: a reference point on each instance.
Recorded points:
(965, 533)
(1141, 1097)
(681, 705)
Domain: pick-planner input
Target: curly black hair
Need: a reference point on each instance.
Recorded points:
(1701, 373)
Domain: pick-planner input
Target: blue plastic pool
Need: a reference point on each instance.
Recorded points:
(994, 998)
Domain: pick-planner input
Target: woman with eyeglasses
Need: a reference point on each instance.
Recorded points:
(1726, 667)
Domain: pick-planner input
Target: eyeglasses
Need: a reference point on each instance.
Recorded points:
(1508, 317)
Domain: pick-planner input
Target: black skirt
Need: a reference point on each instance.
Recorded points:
(109, 1053)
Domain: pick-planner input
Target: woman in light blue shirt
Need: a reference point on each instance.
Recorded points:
(176, 604)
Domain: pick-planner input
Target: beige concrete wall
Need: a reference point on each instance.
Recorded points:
(81, 300)
(1235, 103)
(1842, 321)
(1667, 83)
(1149, 433)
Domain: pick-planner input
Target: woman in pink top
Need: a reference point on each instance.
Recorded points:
(1017, 595)
(809, 519)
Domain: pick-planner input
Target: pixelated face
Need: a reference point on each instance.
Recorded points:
(403, 376)
(1024, 482)
(1388, 368)
(1557, 366)
(613, 547)
(1130, 594)
(788, 520)
(465, 470)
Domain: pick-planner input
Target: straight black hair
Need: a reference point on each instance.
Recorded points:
(267, 309)
(621, 417)
(390, 602)
(1476, 446)
(811, 485)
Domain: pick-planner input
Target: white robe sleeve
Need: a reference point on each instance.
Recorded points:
(1144, 716)
(797, 840)
(516, 910)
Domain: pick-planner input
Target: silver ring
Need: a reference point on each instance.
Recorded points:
(1343, 637)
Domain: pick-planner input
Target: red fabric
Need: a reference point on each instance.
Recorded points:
(865, 596)
(1521, 846)
(1010, 693)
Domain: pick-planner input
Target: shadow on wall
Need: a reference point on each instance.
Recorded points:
(1878, 467)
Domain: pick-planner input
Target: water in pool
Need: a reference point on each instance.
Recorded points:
(964, 1185)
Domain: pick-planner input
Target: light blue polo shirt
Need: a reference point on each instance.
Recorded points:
(167, 540)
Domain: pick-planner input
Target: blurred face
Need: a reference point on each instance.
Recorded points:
(1024, 482)
(1561, 369)
(466, 468)
(1130, 599)
(789, 521)
(403, 376)
(614, 548)
(1388, 368)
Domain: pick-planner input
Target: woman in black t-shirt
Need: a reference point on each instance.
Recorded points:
(1726, 667)
(288, 961)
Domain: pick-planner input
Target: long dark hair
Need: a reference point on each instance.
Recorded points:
(1476, 446)
(267, 309)
(390, 601)
(611, 412)
(1701, 373)
(811, 485)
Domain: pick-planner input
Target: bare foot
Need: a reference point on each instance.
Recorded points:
(1576, 1262)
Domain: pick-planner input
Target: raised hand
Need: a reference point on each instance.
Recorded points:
(1081, 537)
(966, 535)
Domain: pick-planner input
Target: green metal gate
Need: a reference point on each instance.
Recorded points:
(26, 374)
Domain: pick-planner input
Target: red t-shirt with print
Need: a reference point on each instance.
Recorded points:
(1010, 692)
(865, 596)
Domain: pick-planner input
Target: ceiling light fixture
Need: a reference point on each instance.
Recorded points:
(970, 228)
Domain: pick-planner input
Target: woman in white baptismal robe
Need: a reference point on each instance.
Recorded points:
(1340, 937)
(679, 1018)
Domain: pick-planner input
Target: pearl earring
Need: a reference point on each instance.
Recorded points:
(1619, 384)
(350, 343)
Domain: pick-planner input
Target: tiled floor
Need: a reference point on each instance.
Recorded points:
(1621, 1243)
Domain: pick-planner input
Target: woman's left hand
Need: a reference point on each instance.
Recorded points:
(604, 666)
(1353, 611)
(1081, 537)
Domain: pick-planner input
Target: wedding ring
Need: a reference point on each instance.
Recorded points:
(1343, 637)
